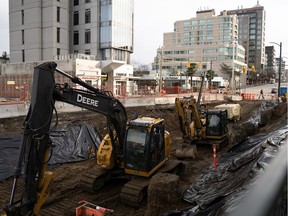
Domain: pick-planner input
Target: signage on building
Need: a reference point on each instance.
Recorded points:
(10, 82)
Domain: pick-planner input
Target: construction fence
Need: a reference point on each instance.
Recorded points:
(13, 92)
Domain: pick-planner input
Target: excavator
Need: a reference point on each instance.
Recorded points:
(138, 148)
(199, 125)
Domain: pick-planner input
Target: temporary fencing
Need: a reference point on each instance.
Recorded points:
(15, 92)
(254, 96)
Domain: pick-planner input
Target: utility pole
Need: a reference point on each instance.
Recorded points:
(232, 76)
(211, 62)
(280, 63)
(161, 58)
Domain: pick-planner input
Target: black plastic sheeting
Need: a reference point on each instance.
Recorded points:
(218, 192)
(9, 150)
(75, 142)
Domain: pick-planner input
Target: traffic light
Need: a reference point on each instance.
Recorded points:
(252, 68)
(244, 69)
(104, 77)
(178, 72)
(188, 64)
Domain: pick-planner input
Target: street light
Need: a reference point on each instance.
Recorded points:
(280, 62)
(233, 69)
(160, 59)
(232, 77)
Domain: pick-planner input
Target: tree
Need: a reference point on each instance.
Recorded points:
(140, 67)
(210, 74)
(227, 70)
(191, 70)
(173, 71)
(4, 58)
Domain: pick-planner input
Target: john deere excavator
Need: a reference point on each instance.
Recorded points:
(138, 148)
(198, 125)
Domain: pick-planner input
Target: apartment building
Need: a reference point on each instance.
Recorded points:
(270, 65)
(251, 34)
(99, 30)
(207, 40)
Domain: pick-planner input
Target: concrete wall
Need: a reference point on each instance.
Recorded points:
(14, 110)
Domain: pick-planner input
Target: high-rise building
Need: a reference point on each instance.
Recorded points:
(47, 30)
(93, 36)
(270, 65)
(251, 34)
(207, 40)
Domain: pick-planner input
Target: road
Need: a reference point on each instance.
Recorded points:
(256, 89)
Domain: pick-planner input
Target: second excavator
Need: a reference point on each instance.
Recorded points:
(199, 125)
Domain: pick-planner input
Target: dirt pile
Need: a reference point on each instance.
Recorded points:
(65, 191)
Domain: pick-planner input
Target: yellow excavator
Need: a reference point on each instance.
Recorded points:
(138, 148)
(198, 125)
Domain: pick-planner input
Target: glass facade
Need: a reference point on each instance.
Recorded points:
(116, 26)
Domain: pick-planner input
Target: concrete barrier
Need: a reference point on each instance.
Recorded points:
(20, 109)
(13, 110)
(139, 101)
(164, 100)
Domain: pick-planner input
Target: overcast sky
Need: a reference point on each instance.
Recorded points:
(154, 17)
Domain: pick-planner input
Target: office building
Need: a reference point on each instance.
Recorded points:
(207, 40)
(270, 66)
(251, 34)
(100, 30)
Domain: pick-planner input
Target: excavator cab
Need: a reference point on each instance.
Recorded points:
(146, 142)
(216, 123)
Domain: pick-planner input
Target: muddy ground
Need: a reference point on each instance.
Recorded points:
(65, 191)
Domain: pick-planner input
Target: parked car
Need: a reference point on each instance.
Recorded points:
(274, 90)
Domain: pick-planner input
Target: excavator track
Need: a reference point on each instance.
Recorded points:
(94, 179)
(135, 190)
(173, 166)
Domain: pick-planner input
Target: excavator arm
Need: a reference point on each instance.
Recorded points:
(189, 118)
(36, 144)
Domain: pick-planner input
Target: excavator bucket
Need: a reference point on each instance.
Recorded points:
(188, 151)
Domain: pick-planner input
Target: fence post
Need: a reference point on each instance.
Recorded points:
(25, 92)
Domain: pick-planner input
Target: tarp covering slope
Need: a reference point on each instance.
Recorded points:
(73, 143)
(216, 192)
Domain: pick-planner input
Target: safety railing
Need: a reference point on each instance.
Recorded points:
(21, 92)
(15, 92)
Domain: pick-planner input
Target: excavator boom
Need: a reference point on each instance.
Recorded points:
(36, 144)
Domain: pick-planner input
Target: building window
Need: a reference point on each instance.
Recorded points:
(23, 55)
(22, 17)
(23, 37)
(76, 18)
(58, 35)
(76, 38)
(76, 2)
(58, 51)
(87, 36)
(87, 16)
(58, 14)
(87, 1)
(87, 52)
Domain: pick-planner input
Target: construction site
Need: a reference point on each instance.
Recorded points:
(215, 179)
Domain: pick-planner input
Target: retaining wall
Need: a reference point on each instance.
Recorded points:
(10, 110)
